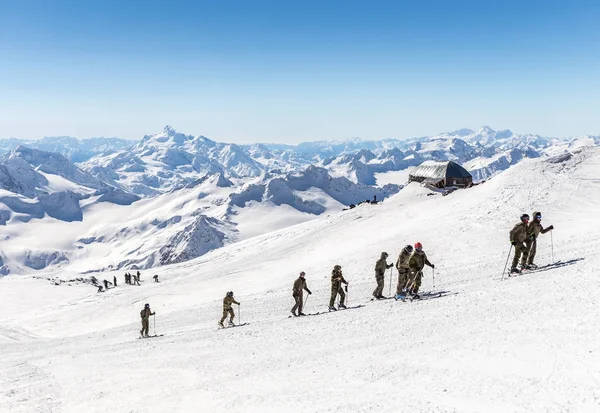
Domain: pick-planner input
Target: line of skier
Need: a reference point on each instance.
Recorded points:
(410, 264)
(523, 237)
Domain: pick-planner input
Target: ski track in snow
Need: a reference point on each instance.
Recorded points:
(529, 343)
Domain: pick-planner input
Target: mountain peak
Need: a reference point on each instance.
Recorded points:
(168, 129)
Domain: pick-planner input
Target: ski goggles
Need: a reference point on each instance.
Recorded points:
(538, 217)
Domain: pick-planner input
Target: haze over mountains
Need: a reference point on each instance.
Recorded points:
(172, 197)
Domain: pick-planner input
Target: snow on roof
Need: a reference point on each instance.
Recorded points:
(440, 170)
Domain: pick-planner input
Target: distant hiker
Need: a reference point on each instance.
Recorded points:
(100, 289)
(380, 267)
(155, 278)
(127, 280)
(518, 236)
(299, 286)
(137, 279)
(139, 275)
(337, 279)
(145, 314)
(535, 229)
(227, 309)
(115, 280)
(106, 284)
(403, 270)
(416, 263)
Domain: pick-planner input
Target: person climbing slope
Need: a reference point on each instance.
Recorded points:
(380, 267)
(534, 230)
(337, 279)
(297, 292)
(227, 309)
(416, 263)
(518, 236)
(145, 314)
(403, 271)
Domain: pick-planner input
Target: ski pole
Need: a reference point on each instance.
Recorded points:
(507, 258)
(391, 273)
(433, 270)
(552, 244)
(239, 314)
(154, 318)
(304, 304)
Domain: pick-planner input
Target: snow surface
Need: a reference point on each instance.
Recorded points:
(528, 343)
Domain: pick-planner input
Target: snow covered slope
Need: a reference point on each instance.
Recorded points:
(529, 343)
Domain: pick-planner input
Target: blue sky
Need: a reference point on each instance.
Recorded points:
(291, 71)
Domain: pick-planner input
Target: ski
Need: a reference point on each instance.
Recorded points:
(328, 312)
(154, 336)
(233, 326)
(381, 299)
(546, 267)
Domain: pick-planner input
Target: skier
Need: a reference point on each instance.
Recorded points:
(145, 314)
(115, 280)
(299, 285)
(139, 275)
(416, 262)
(106, 284)
(336, 288)
(100, 290)
(403, 270)
(227, 301)
(380, 267)
(137, 279)
(535, 229)
(127, 278)
(155, 278)
(518, 236)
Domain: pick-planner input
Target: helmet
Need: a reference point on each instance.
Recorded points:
(302, 273)
(384, 255)
(408, 248)
(524, 217)
(418, 246)
(230, 294)
(337, 267)
(537, 215)
(146, 305)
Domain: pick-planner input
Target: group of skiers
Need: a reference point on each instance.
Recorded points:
(523, 238)
(410, 264)
(133, 279)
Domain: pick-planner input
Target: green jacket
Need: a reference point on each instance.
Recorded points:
(519, 233)
(227, 301)
(535, 229)
(402, 262)
(418, 260)
(337, 279)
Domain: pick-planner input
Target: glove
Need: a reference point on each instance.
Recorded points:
(309, 293)
(513, 243)
(432, 265)
(346, 288)
(551, 227)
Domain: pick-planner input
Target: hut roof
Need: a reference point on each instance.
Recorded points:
(436, 170)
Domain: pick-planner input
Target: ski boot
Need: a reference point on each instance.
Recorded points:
(332, 308)
(401, 296)
(533, 266)
(416, 296)
(221, 324)
(341, 307)
(294, 314)
(301, 314)
(231, 324)
(514, 270)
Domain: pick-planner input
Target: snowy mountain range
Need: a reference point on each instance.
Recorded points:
(172, 197)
